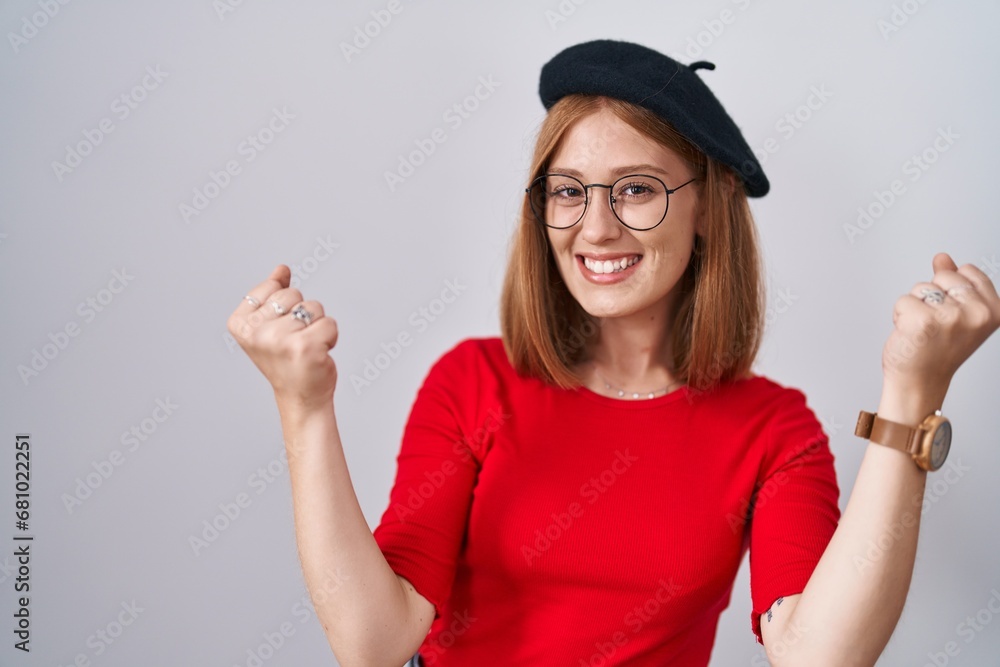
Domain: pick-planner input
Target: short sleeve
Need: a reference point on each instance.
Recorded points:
(795, 510)
(422, 529)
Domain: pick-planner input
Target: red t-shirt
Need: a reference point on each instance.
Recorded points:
(567, 528)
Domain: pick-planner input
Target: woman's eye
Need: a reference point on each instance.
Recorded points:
(635, 190)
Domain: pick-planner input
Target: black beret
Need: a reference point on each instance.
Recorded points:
(673, 91)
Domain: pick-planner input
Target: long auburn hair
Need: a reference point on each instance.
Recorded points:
(718, 319)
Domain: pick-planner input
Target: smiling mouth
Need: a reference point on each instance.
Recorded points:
(610, 266)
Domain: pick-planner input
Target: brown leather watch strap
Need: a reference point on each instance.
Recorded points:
(888, 433)
(901, 437)
(865, 422)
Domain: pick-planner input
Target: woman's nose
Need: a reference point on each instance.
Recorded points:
(599, 220)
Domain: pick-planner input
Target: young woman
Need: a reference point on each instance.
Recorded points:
(582, 490)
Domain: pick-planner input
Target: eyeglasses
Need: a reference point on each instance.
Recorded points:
(639, 201)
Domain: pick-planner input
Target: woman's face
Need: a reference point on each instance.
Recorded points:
(601, 148)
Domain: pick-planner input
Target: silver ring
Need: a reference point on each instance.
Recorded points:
(299, 312)
(932, 295)
(253, 302)
(277, 307)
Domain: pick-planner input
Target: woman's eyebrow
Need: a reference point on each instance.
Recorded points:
(627, 169)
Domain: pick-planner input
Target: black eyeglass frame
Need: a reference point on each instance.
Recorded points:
(611, 198)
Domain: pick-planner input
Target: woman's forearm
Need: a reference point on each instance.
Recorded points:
(359, 600)
(849, 609)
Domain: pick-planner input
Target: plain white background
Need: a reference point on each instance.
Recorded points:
(893, 77)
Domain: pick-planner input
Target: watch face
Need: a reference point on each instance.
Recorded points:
(940, 445)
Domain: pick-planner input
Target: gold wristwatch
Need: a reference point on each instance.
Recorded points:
(927, 443)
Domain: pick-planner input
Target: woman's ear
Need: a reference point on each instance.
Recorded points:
(699, 214)
(698, 243)
(731, 183)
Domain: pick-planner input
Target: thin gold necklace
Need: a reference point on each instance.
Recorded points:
(635, 394)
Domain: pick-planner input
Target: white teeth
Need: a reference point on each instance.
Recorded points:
(608, 266)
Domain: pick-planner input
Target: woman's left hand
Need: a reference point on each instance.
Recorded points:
(931, 340)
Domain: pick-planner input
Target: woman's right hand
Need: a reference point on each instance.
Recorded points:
(293, 356)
